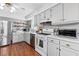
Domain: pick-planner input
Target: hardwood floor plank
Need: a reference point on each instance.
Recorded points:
(20, 49)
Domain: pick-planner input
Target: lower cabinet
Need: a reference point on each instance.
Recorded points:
(53, 49)
(62, 48)
(67, 52)
(26, 37)
(17, 37)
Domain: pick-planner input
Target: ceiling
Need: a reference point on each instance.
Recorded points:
(22, 10)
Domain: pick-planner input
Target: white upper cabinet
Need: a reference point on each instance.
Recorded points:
(57, 13)
(37, 20)
(45, 15)
(48, 14)
(71, 11)
(42, 16)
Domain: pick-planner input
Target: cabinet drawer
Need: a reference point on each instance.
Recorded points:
(53, 40)
(74, 46)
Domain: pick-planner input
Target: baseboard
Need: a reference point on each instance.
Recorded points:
(4, 45)
(11, 44)
(17, 42)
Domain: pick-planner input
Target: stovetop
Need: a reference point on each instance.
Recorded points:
(44, 33)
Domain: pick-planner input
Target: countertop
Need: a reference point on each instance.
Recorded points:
(75, 40)
(20, 32)
(69, 39)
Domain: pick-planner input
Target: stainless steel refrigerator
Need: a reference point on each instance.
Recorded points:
(5, 33)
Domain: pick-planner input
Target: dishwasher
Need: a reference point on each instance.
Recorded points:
(32, 40)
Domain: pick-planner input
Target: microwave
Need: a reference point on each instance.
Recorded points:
(66, 32)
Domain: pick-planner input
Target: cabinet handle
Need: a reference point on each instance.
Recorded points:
(67, 45)
(63, 19)
(57, 48)
(48, 19)
(51, 40)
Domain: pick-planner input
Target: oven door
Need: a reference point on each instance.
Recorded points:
(42, 45)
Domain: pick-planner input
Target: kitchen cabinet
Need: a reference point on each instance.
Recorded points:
(26, 37)
(57, 47)
(69, 48)
(15, 38)
(48, 14)
(71, 11)
(53, 47)
(37, 20)
(67, 52)
(70, 45)
(57, 13)
(42, 15)
(45, 15)
(18, 37)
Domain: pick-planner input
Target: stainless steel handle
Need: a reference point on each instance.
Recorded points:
(59, 49)
(68, 45)
(51, 40)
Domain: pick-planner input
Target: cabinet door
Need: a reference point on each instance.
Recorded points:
(57, 13)
(67, 52)
(27, 37)
(53, 49)
(47, 14)
(42, 15)
(15, 38)
(20, 37)
(71, 11)
(37, 19)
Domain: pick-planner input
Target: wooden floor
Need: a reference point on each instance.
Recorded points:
(20, 49)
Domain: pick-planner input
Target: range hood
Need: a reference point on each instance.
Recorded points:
(46, 22)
